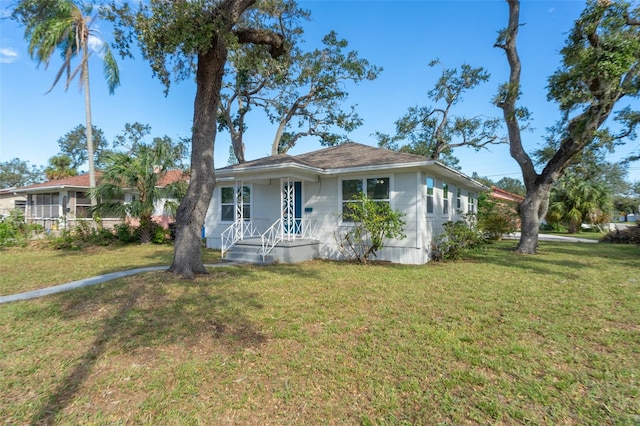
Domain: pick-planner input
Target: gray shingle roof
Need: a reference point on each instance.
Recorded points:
(350, 154)
(356, 155)
(341, 158)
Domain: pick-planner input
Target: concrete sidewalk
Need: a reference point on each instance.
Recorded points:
(90, 281)
(552, 237)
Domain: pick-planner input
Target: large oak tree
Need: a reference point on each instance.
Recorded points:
(435, 130)
(179, 38)
(302, 94)
(600, 69)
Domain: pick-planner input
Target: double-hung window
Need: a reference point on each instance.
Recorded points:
(430, 186)
(376, 189)
(459, 199)
(445, 198)
(472, 202)
(231, 199)
(83, 205)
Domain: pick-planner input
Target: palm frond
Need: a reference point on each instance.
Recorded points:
(110, 69)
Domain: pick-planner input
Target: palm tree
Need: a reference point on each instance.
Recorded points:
(140, 171)
(60, 167)
(66, 25)
(575, 201)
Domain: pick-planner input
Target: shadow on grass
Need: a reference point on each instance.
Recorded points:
(162, 255)
(151, 311)
(551, 254)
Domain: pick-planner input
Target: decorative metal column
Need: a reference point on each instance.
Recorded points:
(239, 191)
(288, 202)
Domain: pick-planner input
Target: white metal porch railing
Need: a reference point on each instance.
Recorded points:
(237, 231)
(283, 230)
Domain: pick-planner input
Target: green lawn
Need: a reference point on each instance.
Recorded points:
(496, 339)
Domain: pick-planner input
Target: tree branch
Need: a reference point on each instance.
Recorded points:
(273, 40)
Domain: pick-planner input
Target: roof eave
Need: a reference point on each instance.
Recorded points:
(49, 188)
(233, 173)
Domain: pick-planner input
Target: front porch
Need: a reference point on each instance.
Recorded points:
(268, 225)
(285, 241)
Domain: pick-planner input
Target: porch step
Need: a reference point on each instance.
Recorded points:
(248, 251)
(246, 257)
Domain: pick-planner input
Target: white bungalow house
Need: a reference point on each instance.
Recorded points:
(287, 208)
(64, 203)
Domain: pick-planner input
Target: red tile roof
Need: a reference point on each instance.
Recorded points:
(501, 194)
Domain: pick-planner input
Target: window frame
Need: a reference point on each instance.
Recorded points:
(445, 198)
(364, 185)
(472, 202)
(85, 207)
(247, 190)
(430, 196)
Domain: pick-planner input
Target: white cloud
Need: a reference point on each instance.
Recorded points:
(8, 55)
(95, 44)
(551, 10)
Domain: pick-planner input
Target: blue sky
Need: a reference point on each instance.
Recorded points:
(400, 36)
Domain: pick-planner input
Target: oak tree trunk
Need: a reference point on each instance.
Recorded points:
(532, 210)
(187, 260)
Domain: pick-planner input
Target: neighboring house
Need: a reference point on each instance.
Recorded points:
(287, 208)
(10, 201)
(63, 203)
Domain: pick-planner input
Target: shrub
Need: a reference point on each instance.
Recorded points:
(496, 218)
(126, 233)
(629, 235)
(160, 235)
(82, 235)
(457, 238)
(14, 231)
(373, 222)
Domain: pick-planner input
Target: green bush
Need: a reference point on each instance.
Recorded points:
(65, 240)
(82, 235)
(126, 233)
(160, 235)
(496, 218)
(457, 238)
(373, 222)
(15, 231)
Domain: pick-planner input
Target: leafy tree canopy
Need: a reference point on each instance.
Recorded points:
(302, 93)
(15, 173)
(74, 145)
(434, 131)
(60, 167)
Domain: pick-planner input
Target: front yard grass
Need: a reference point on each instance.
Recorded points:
(496, 339)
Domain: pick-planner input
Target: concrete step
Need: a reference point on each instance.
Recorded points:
(285, 252)
(248, 254)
